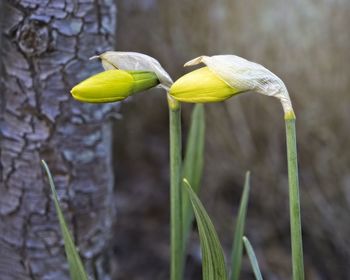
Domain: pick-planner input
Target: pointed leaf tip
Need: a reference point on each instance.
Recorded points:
(76, 268)
(214, 266)
(252, 258)
(237, 248)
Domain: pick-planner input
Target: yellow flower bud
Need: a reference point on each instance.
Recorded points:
(135, 61)
(237, 73)
(113, 85)
(201, 86)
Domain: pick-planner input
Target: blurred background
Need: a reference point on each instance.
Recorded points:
(307, 44)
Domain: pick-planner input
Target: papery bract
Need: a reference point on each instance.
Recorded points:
(135, 61)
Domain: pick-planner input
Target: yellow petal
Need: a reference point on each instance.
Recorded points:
(201, 86)
(113, 85)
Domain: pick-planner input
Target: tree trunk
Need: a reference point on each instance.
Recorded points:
(45, 46)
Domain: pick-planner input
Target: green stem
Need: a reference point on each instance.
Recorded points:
(294, 200)
(176, 239)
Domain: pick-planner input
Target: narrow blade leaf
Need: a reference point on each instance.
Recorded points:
(213, 266)
(252, 258)
(193, 164)
(237, 248)
(76, 268)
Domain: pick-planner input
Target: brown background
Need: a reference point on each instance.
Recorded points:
(307, 44)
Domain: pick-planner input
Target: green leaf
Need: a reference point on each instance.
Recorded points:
(193, 164)
(252, 258)
(76, 268)
(213, 266)
(237, 248)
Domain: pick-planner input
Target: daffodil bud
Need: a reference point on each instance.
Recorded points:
(237, 73)
(135, 61)
(113, 85)
(201, 86)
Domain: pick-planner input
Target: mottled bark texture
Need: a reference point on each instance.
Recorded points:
(45, 49)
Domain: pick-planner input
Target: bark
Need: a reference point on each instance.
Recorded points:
(45, 46)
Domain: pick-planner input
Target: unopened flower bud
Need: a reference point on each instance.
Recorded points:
(201, 86)
(237, 73)
(135, 61)
(113, 85)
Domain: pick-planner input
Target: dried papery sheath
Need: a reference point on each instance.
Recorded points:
(244, 75)
(135, 61)
(113, 85)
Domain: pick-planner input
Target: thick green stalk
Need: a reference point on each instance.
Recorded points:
(294, 200)
(176, 238)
